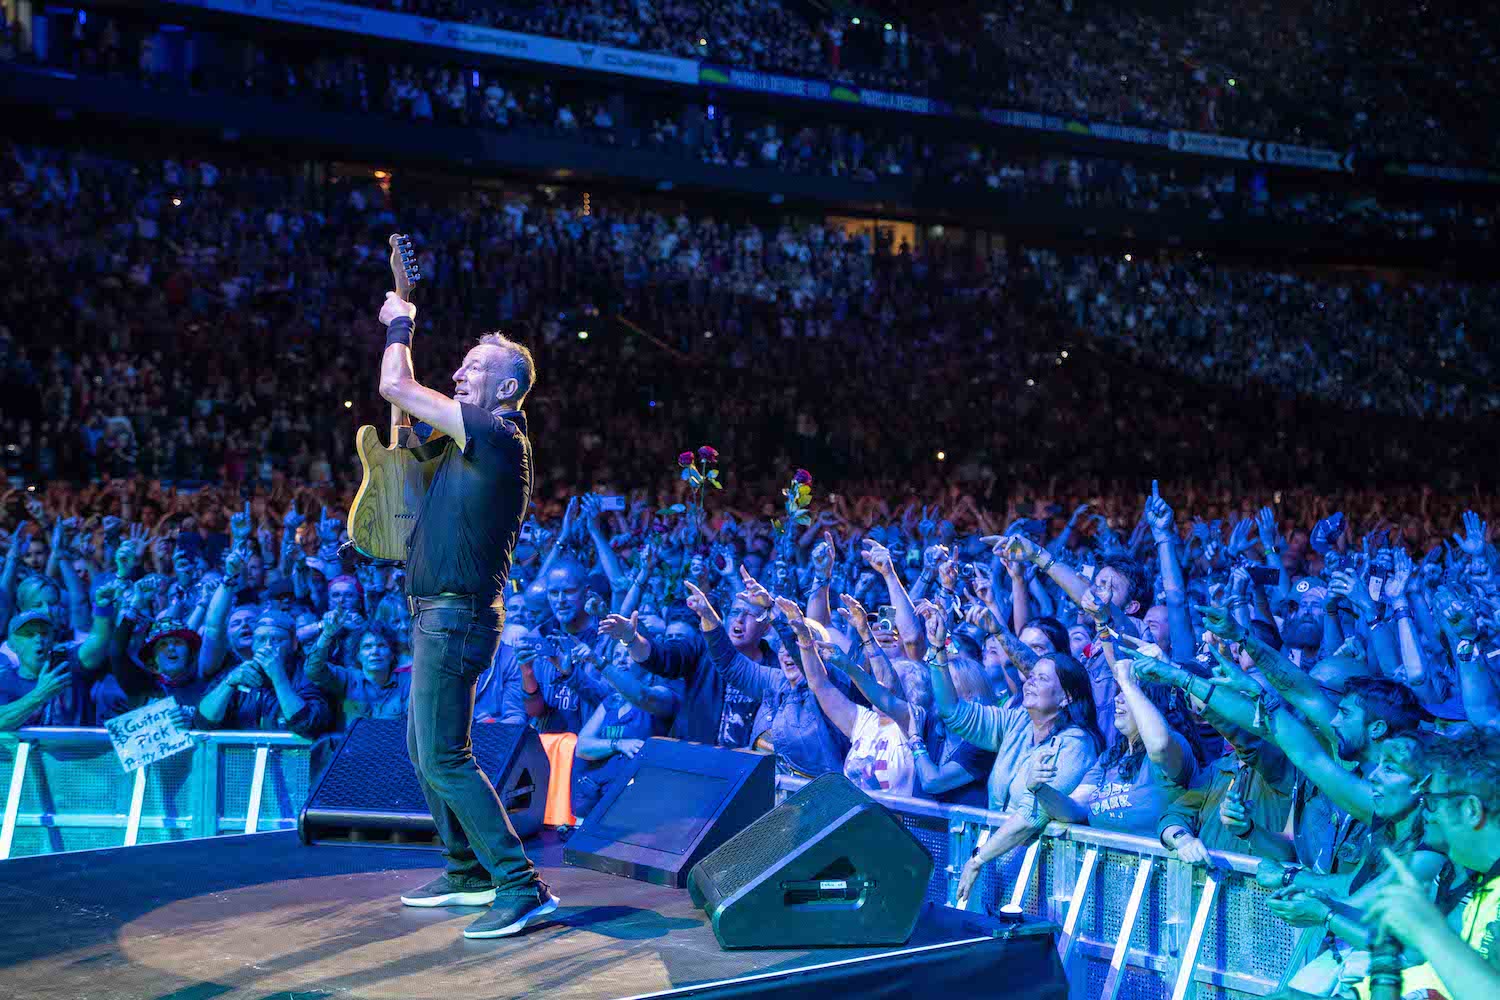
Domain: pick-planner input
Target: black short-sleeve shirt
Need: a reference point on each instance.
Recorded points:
(470, 518)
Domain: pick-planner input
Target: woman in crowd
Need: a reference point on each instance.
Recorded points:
(1149, 765)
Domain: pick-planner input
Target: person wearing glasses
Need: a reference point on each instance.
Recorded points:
(1375, 727)
(1460, 805)
(713, 709)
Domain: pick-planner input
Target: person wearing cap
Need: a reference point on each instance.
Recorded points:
(1307, 627)
(166, 665)
(47, 685)
(267, 692)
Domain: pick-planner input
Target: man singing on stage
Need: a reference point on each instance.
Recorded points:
(457, 564)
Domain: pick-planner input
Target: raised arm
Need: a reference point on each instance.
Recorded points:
(823, 559)
(672, 660)
(882, 698)
(1233, 695)
(1296, 686)
(1476, 659)
(317, 669)
(11, 571)
(913, 635)
(399, 385)
(1160, 519)
(608, 561)
(1156, 736)
(842, 712)
(93, 652)
(216, 620)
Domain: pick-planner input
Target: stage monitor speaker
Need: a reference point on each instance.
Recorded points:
(369, 791)
(679, 802)
(829, 866)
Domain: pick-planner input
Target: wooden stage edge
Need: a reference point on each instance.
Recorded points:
(261, 916)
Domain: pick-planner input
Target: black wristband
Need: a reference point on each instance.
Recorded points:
(400, 331)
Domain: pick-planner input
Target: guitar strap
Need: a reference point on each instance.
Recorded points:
(429, 450)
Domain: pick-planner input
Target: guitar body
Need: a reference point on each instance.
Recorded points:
(395, 475)
(385, 508)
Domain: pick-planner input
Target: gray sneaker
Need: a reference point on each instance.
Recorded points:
(511, 914)
(445, 891)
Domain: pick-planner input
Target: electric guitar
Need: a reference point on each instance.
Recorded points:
(395, 475)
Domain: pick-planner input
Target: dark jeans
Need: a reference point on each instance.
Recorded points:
(451, 647)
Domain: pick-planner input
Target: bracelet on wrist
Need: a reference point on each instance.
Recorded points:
(1047, 566)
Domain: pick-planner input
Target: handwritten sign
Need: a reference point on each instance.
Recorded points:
(148, 734)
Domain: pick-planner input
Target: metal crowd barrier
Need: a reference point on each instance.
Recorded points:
(1136, 923)
(63, 790)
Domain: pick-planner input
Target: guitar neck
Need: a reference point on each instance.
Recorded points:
(403, 274)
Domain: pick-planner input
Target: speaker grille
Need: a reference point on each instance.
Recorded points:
(376, 774)
(749, 853)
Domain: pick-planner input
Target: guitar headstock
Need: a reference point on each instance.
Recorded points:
(404, 270)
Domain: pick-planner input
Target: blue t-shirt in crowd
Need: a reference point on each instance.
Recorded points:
(1131, 793)
(69, 707)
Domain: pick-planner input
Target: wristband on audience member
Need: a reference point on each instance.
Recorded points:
(918, 751)
(1289, 875)
(400, 331)
(1047, 566)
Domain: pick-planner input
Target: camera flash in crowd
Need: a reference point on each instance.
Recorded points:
(583, 335)
(348, 404)
(942, 456)
(176, 202)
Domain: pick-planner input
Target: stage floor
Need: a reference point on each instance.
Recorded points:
(260, 916)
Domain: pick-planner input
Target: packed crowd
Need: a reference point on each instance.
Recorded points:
(735, 329)
(1411, 80)
(525, 104)
(1321, 695)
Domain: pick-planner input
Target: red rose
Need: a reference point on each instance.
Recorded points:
(708, 455)
(685, 459)
(803, 477)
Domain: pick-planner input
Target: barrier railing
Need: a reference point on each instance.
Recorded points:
(64, 790)
(1135, 921)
